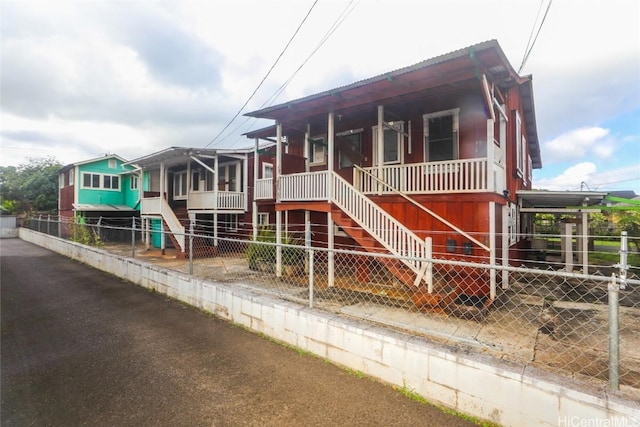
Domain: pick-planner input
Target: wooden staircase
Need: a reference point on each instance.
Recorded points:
(202, 247)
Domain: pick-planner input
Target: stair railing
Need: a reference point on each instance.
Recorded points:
(176, 228)
(388, 231)
(425, 209)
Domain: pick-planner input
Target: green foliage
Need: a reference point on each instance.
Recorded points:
(32, 186)
(263, 250)
(83, 233)
(629, 221)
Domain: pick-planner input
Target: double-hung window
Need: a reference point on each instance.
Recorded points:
(90, 180)
(111, 182)
(180, 185)
(317, 150)
(441, 135)
(393, 136)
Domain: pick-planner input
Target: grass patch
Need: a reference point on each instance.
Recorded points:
(413, 395)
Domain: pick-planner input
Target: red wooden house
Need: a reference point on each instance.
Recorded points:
(423, 161)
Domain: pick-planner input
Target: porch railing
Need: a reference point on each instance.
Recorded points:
(304, 186)
(468, 175)
(159, 206)
(264, 188)
(226, 200)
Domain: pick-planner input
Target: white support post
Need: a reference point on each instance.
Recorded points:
(278, 243)
(567, 246)
(380, 146)
(585, 242)
(331, 145)
(505, 246)
(492, 250)
(245, 182)
(307, 160)
(216, 183)
(278, 160)
(307, 237)
(491, 167)
(331, 254)
(254, 203)
(163, 172)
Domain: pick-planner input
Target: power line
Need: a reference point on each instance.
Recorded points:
(266, 75)
(336, 24)
(530, 43)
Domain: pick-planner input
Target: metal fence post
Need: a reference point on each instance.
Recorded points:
(311, 278)
(191, 247)
(614, 325)
(49, 224)
(614, 337)
(133, 237)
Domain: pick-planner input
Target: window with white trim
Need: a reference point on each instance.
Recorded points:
(267, 170)
(133, 183)
(61, 178)
(229, 177)
(71, 176)
(392, 143)
(99, 181)
(518, 143)
(263, 219)
(180, 185)
(441, 135)
(523, 166)
(230, 222)
(112, 164)
(349, 147)
(317, 150)
(111, 182)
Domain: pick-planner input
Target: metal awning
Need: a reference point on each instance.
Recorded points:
(560, 201)
(95, 207)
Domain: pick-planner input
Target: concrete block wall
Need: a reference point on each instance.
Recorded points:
(507, 394)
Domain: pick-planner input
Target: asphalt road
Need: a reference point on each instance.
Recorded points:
(80, 347)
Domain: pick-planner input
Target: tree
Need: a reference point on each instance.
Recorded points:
(629, 221)
(32, 186)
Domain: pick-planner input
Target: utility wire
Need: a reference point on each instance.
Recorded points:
(530, 44)
(265, 77)
(337, 23)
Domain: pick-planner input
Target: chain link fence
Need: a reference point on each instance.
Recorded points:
(585, 326)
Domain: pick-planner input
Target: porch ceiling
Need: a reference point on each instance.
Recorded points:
(180, 155)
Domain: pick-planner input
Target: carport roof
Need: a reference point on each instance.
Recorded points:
(569, 201)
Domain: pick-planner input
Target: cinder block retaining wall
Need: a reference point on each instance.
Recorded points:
(486, 388)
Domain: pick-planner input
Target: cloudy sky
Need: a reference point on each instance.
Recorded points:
(82, 78)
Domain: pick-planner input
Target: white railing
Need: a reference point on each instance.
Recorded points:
(159, 206)
(151, 206)
(388, 231)
(226, 200)
(264, 188)
(303, 186)
(460, 176)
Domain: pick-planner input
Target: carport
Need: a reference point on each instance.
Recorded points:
(577, 203)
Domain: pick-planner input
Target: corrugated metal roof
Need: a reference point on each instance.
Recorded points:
(95, 207)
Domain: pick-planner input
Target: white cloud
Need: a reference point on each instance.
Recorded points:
(579, 143)
(585, 176)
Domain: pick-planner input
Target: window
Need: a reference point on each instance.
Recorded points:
(133, 184)
(523, 165)
(317, 150)
(267, 170)
(441, 135)
(112, 164)
(519, 152)
(195, 180)
(350, 148)
(71, 176)
(208, 181)
(230, 222)
(229, 177)
(111, 182)
(263, 219)
(61, 180)
(91, 180)
(100, 181)
(392, 143)
(180, 185)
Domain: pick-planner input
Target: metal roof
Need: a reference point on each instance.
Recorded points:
(173, 155)
(94, 207)
(405, 86)
(544, 199)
